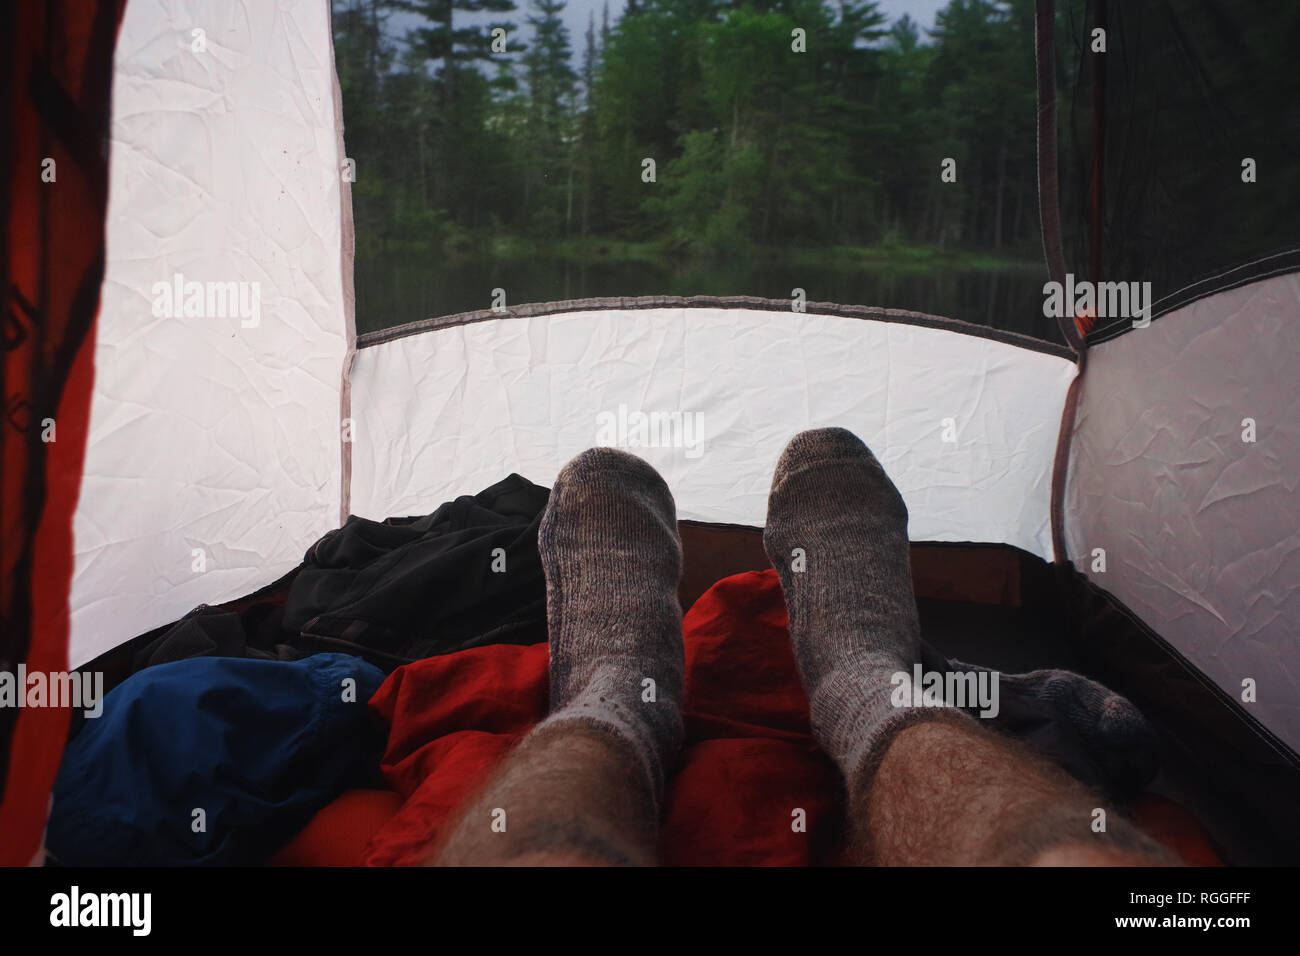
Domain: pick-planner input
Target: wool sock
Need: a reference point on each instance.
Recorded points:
(837, 535)
(1116, 734)
(612, 558)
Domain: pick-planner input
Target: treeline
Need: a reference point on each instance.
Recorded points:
(769, 123)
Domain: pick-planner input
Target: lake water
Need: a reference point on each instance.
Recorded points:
(404, 286)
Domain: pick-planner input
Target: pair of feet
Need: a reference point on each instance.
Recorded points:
(836, 532)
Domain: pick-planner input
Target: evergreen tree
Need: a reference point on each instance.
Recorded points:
(755, 143)
(443, 40)
(552, 84)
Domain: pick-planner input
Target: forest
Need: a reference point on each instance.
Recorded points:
(690, 146)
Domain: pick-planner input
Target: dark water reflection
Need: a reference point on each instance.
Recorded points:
(403, 287)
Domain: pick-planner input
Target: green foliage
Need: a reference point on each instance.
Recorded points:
(705, 197)
(755, 144)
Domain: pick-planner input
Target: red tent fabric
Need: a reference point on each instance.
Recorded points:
(57, 74)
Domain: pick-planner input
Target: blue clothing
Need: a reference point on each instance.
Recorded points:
(258, 746)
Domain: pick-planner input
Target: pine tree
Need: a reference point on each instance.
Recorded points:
(589, 57)
(552, 84)
(454, 46)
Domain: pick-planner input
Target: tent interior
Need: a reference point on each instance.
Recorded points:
(1081, 495)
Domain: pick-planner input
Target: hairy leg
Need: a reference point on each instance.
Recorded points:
(568, 795)
(927, 784)
(586, 784)
(952, 793)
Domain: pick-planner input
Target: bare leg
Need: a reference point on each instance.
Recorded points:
(927, 784)
(585, 785)
(952, 793)
(569, 795)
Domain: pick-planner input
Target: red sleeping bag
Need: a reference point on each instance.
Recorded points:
(748, 767)
(748, 763)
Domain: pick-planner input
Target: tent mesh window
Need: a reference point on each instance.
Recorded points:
(891, 163)
(1179, 145)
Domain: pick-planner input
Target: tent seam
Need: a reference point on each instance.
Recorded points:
(630, 303)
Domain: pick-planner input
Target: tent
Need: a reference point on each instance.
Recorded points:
(1125, 496)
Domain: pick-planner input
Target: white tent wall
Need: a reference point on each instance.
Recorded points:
(450, 410)
(1199, 525)
(214, 447)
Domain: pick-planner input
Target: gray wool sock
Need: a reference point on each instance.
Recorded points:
(853, 616)
(613, 559)
(1114, 730)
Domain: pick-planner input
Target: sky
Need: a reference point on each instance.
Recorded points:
(576, 13)
(922, 11)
